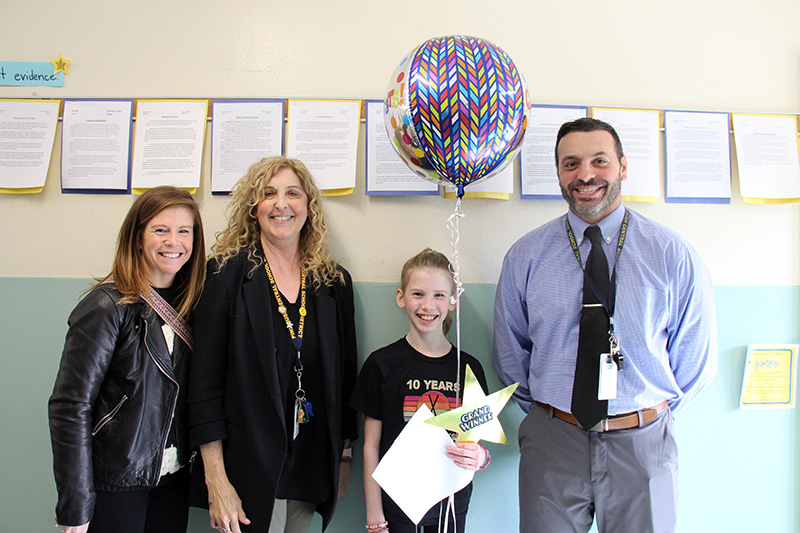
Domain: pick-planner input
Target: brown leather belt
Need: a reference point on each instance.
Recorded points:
(635, 419)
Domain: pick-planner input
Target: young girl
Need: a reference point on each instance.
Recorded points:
(418, 369)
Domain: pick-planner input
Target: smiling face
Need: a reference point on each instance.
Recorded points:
(426, 299)
(590, 173)
(284, 210)
(167, 244)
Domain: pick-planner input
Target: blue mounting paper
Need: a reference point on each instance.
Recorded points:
(25, 73)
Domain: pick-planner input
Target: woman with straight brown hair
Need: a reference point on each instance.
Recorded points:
(117, 412)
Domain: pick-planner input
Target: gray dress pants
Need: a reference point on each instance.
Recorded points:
(626, 479)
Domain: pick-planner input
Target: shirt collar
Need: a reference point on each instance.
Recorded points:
(609, 226)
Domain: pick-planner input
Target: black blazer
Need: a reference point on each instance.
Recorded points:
(234, 392)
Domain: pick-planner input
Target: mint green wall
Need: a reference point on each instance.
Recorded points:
(739, 471)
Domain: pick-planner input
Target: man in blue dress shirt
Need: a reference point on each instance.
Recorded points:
(661, 354)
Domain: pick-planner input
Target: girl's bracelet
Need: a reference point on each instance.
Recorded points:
(486, 461)
(378, 528)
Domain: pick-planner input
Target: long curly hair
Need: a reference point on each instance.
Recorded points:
(129, 271)
(244, 232)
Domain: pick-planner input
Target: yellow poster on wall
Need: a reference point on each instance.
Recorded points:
(769, 377)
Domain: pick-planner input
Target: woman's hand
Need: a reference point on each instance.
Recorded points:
(344, 469)
(74, 529)
(467, 455)
(224, 505)
(344, 478)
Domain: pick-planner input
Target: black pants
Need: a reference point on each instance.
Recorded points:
(161, 509)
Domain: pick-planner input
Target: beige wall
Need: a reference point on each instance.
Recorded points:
(682, 54)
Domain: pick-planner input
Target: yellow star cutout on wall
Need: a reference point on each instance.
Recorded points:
(476, 419)
(60, 64)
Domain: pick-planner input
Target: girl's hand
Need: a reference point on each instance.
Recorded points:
(467, 455)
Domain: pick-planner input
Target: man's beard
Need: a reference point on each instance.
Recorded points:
(592, 209)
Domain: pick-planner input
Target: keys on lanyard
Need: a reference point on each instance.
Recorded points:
(614, 350)
(303, 410)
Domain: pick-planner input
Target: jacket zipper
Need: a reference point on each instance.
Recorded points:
(106, 419)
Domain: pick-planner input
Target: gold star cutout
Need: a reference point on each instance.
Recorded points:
(60, 64)
(476, 419)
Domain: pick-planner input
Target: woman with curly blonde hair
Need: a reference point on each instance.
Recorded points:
(275, 360)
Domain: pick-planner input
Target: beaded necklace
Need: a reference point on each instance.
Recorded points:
(302, 407)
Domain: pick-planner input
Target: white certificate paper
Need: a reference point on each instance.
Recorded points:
(387, 174)
(27, 133)
(639, 132)
(767, 155)
(415, 472)
(168, 145)
(323, 134)
(95, 146)
(538, 177)
(242, 133)
(698, 157)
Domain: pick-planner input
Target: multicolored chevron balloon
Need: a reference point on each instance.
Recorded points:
(456, 110)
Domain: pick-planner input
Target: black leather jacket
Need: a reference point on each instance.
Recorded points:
(114, 399)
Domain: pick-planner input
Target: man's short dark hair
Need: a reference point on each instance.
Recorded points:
(586, 125)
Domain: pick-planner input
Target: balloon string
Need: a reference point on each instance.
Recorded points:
(451, 510)
(455, 236)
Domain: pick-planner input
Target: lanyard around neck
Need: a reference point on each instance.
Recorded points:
(303, 410)
(297, 338)
(610, 303)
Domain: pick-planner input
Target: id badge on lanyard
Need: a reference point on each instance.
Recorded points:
(610, 364)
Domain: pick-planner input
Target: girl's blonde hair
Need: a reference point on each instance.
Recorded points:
(130, 274)
(244, 232)
(432, 259)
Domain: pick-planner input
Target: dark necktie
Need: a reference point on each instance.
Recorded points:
(592, 339)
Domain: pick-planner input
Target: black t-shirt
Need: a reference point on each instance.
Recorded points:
(394, 382)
